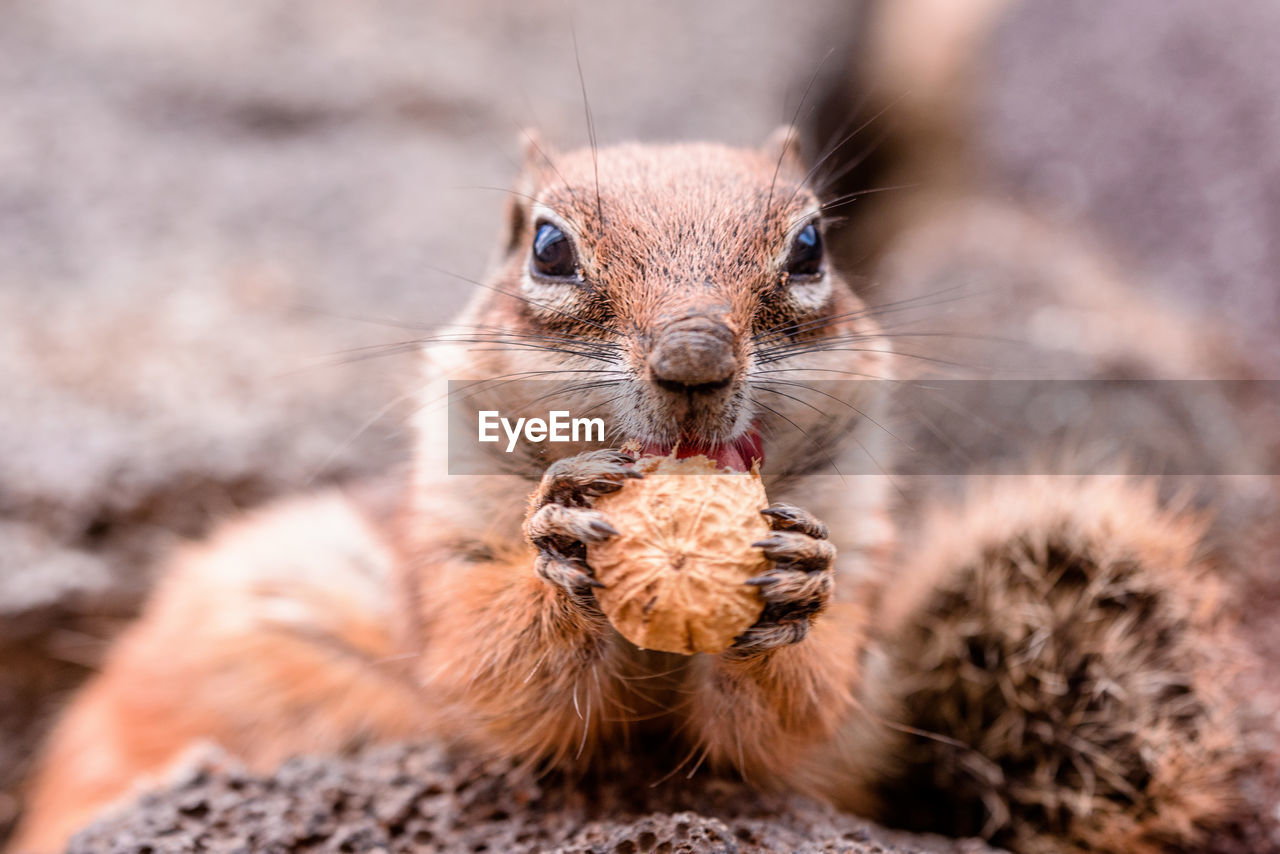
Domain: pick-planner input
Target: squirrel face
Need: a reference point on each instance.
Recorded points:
(682, 292)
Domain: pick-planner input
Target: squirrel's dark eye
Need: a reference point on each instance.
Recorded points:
(553, 254)
(806, 252)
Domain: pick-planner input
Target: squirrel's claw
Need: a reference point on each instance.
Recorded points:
(558, 525)
(575, 481)
(561, 524)
(798, 585)
(763, 637)
(788, 517)
(569, 574)
(793, 550)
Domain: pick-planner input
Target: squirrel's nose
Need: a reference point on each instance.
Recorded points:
(695, 355)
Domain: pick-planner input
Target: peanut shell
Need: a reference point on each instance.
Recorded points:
(674, 576)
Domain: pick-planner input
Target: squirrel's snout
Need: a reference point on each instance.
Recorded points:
(694, 355)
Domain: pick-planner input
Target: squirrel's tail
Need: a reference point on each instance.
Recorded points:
(1060, 660)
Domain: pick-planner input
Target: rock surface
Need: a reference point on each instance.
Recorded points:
(419, 799)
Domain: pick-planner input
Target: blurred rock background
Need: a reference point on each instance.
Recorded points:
(207, 208)
(196, 201)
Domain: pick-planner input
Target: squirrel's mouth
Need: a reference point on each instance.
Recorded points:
(739, 455)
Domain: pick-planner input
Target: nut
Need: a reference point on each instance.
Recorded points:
(674, 576)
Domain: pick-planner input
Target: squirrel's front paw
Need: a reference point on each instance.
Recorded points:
(799, 584)
(561, 522)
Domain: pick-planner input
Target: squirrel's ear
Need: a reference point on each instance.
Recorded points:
(534, 159)
(534, 155)
(783, 147)
(517, 218)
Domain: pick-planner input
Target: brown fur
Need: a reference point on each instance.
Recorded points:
(685, 230)
(1065, 636)
(271, 643)
(270, 640)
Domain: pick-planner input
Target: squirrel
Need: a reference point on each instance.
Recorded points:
(1035, 669)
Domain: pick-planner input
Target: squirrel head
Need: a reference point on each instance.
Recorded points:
(683, 293)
